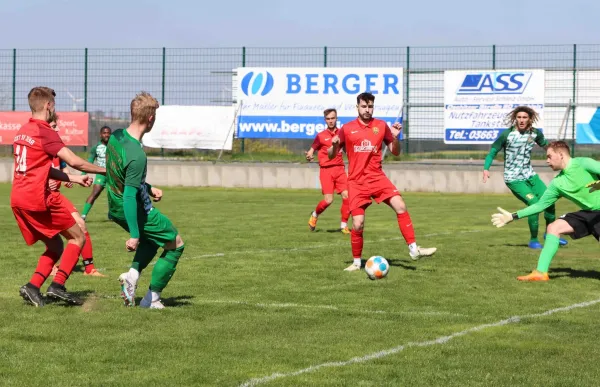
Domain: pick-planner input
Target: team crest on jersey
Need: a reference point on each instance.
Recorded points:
(529, 196)
(375, 130)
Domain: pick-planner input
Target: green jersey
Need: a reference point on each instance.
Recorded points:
(517, 152)
(570, 184)
(126, 166)
(98, 155)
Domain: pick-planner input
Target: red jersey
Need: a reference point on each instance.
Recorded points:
(322, 144)
(363, 144)
(35, 146)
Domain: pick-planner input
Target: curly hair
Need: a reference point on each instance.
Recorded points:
(511, 118)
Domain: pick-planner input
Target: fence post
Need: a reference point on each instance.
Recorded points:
(325, 56)
(494, 57)
(85, 66)
(14, 80)
(574, 100)
(407, 104)
(162, 96)
(242, 145)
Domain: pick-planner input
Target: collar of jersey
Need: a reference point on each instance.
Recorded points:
(363, 126)
(41, 122)
(130, 136)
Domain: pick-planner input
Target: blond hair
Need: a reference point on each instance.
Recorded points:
(143, 106)
(39, 96)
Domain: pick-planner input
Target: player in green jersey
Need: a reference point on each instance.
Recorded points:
(98, 157)
(517, 142)
(576, 175)
(130, 206)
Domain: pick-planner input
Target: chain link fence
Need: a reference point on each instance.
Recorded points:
(103, 81)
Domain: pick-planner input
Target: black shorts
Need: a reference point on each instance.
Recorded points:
(584, 223)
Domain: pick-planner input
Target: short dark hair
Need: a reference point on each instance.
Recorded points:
(367, 97)
(559, 145)
(330, 110)
(105, 127)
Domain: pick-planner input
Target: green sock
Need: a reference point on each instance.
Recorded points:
(534, 225)
(164, 269)
(144, 255)
(548, 252)
(86, 208)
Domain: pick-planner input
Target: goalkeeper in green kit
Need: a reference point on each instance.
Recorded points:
(575, 182)
(130, 206)
(517, 142)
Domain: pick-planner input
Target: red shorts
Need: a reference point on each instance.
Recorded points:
(37, 225)
(360, 194)
(333, 179)
(66, 201)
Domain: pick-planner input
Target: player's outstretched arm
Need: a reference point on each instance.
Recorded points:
(489, 159)
(57, 174)
(78, 163)
(549, 197)
(92, 156)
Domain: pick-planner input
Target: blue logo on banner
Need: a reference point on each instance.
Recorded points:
(260, 84)
(494, 83)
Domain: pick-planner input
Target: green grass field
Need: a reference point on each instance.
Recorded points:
(259, 300)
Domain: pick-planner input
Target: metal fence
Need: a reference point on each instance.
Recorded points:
(103, 81)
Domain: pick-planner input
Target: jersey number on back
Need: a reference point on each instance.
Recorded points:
(21, 156)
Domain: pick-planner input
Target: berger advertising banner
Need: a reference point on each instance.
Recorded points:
(289, 102)
(72, 127)
(476, 102)
(192, 127)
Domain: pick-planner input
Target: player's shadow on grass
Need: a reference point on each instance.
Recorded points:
(512, 245)
(82, 295)
(574, 273)
(172, 302)
(393, 262)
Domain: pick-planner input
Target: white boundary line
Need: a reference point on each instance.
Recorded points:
(400, 348)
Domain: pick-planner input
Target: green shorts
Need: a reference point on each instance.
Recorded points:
(100, 180)
(155, 227)
(528, 191)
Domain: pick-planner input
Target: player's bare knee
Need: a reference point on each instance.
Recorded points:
(328, 199)
(345, 195)
(174, 244)
(81, 223)
(56, 245)
(178, 241)
(554, 228)
(358, 224)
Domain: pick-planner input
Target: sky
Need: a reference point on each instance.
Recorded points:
(308, 23)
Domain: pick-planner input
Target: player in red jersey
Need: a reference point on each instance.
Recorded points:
(363, 140)
(39, 214)
(332, 172)
(87, 249)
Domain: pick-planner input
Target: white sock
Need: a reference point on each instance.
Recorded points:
(413, 247)
(133, 274)
(315, 214)
(357, 261)
(152, 296)
(343, 225)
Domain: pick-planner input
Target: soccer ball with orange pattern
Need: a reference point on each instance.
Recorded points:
(377, 267)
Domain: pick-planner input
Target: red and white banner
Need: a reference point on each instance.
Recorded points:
(72, 127)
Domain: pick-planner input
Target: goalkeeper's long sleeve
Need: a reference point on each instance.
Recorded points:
(130, 209)
(550, 196)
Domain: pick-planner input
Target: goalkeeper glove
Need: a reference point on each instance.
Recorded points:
(594, 186)
(503, 218)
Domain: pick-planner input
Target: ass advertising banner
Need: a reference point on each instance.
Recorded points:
(477, 102)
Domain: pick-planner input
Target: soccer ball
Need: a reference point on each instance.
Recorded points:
(377, 267)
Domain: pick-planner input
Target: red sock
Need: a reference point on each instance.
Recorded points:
(68, 260)
(87, 254)
(322, 207)
(44, 268)
(406, 227)
(356, 239)
(345, 210)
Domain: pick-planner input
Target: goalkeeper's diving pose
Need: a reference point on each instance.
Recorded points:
(577, 182)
